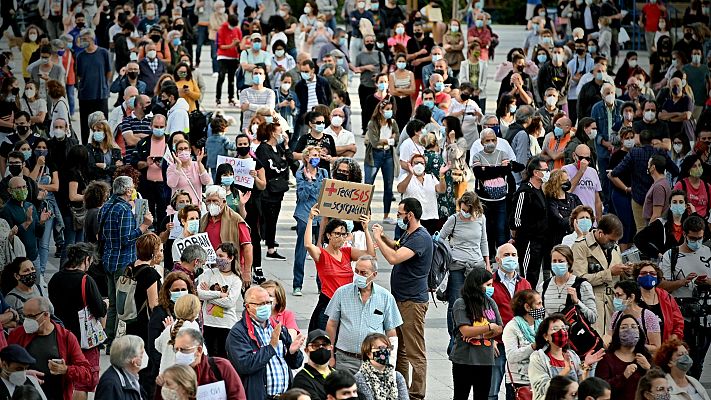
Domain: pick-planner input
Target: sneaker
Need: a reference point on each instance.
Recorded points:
(215, 74)
(389, 221)
(258, 279)
(275, 256)
(297, 292)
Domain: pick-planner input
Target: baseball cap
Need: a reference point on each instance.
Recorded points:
(317, 334)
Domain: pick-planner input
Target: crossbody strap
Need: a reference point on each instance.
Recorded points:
(83, 290)
(198, 196)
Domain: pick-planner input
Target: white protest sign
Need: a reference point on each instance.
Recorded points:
(177, 228)
(200, 239)
(242, 168)
(212, 391)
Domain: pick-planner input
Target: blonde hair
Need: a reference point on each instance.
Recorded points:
(186, 308)
(550, 189)
(309, 149)
(183, 376)
(108, 141)
(428, 140)
(279, 294)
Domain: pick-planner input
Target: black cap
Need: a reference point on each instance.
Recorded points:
(317, 334)
(16, 353)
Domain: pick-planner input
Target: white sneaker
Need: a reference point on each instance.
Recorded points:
(215, 74)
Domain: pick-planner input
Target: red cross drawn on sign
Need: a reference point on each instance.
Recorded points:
(331, 189)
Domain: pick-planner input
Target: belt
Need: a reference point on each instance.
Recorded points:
(349, 354)
(383, 148)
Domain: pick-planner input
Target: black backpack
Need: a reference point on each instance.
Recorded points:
(582, 337)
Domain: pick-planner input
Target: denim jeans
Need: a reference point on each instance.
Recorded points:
(70, 98)
(201, 39)
(495, 212)
(300, 251)
(454, 288)
(71, 235)
(382, 160)
(213, 54)
(44, 245)
(497, 373)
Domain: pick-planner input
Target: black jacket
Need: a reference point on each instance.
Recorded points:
(658, 237)
(97, 157)
(588, 96)
(529, 216)
(147, 75)
(114, 385)
(323, 93)
(312, 381)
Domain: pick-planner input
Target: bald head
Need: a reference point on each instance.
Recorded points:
(564, 123)
(582, 150)
(130, 91)
(301, 57)
(255, 293)
(16, 182)
(506, 250)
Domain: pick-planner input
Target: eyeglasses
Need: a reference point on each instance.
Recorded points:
(339, 234)
(319, 345)
(34, 316)
(584, 158)
(319, 122)
(266, 303)
(185, 350)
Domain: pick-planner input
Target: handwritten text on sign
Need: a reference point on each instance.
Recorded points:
(212, 391)
(344, 200)
(242, 168)
(201, 240)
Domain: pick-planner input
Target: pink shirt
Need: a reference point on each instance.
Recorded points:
(154, 172)
(287, 319)
(183, 179)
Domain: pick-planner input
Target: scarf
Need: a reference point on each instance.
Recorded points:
(382, 383)
(528, 333)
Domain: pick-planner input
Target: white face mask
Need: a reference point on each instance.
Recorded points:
(31, 326)
(285, 86)
(254, 128)
(214, 209)
(144, 360)
(418, 169)
(551, 100)
(649, 116)
(628, 143)
(184, 359)
(337, 120)
(30, 93)
(59, 133)
(169, 394)
(610, 98)
(592, 134)
(678, 147)
(18, 378)
(151, 54)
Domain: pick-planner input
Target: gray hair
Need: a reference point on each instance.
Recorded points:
(122, 184)
(192, 253)
(95, 117)
(78, 252)
(487, 131)
(215, 189)
(373, 261)
(488, 117)
(524, 113)
(43, 304)
(87, 32)
(124, 349)
(195, 336)
(287, 6)
(158, 117)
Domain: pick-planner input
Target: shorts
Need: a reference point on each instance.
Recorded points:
(92, 355)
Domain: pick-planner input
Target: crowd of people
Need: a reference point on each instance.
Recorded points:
(566, 229)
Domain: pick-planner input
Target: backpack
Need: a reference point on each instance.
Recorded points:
(198, 122)
(439, 267)
(126, 309)
(583, 338)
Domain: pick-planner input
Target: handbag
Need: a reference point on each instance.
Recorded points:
(521, 392)
(92, 333)
(78, 216)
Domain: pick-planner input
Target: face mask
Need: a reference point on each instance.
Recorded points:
(382, 356)
(542, 58)
(629, 337)
(546, 176)
(647, 282)
(315, 161)
(168, 393)
(439, 86)
(174, 296)
(538, 313)
(279, 53)
(319, 127)
(177, 42)
(31, 326)
(382, 86)
(628, 143)
(257, 79)
(512, 108)
(429, 103)
(285, 86)
(628, 116)
(370, 46)
(184, 156)
(306, 76)
(684, 363)
(610, 98)
(662, 26)
(436, 57)
(599, 76)
(243, 151)
(228, 180)
(649, 116)
(263, 312)
(184, 359)
(676, 90)
(489, 147)
(214, 209)
(560, 338)
(307, 10)
(182, 74)
(193, 226)
(688, 36)
(280, 139)
(551, 101)
(489, 291)
(41, 153)
(388, 114)
(254, 128)
(320, 356)
(26, 154)
(509, 264)
(360, 281)
(256, 46)
(151, 54)
(18, 194)
(418, 169)
(18, 378)
(466, 215)
(402, 224)
(30, 93)
(677, 209)
(592, 49)
(695, 172)
(343, 41)
(399, 30)
(584, 224)
(559, 269)
(223, 264)
(677, 149)
(338, 120)
(133, 57)
(59, 133)
(593, 133)
(98, 136)
(158, 132)
(418, 34)
(566, 186)
(694, 245)
(619, 304)
(22, 129)
(558, 131)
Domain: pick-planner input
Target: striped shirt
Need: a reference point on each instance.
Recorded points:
(277, 369)
(555, 297)
(313, 99)
(256, 99)
(357, 320)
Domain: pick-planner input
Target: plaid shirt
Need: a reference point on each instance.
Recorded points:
(119, 234)
(153, 64)
(277, 370)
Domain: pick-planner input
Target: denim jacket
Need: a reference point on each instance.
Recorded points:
(307, 193)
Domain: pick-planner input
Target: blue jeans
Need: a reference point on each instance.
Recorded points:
(495, 212)
(382, 160)
(454, 288)
(70, 98)
(71, 235)
(300, 251)
(497, 374)
(44, 245)
(201, 39)
(622, 207)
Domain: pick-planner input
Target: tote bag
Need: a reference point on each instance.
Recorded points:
(92, 333)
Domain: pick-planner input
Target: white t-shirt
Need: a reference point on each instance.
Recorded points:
(342, 139)
(687, 263)
(426, 193)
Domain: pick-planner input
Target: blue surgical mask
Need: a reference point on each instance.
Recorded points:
(257, 46)
(439, 86)
(489, 291)
(402, 224)
(619, 304)
(257, 79)
(509, 264)
(512, 108)
(558, 131)
(174, 296)
(315, 161)
(98, 136)
(401, 65)
(177, 42)
(158, 132)
(599, 76)
(677, 209)
(349, 225)
(320, 127)
(132, 102)
(585, 224)
(694, 245)
(360, 281)
(269, 119)
(227, 180)
(27, 154)
(592, 49)
(429, 103)
(559, 269)
(343, 41)
(542, 58)
(388, 114)
(194, 226)
(382, 86)
(263, 312)
(305, 76)
(465, 214)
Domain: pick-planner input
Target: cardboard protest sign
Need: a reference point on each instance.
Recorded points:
(242, 168)
(344, 200)
(201, 240)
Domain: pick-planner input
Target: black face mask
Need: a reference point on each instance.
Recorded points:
(439, 71)
(166, 103)
(320, 356)
(340, 176)
(132, 75)
(15, 170)
(566, 186)
(688, 36)
(15, 91)
(419, 34)
(580, 51)
(155, 38)
(80, 25)
(369, 46)
(465, 96)
(178, 27)
(243, 151)
(22, 130)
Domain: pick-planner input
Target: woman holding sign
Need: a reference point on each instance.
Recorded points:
(187, 174)
(333, 262)
(189, 217)
(308, 187)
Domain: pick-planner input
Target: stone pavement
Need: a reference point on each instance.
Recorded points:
(439, 382)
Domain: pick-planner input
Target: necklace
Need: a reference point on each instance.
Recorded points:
(559, 290)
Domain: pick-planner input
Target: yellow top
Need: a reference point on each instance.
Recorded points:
(191, 95)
